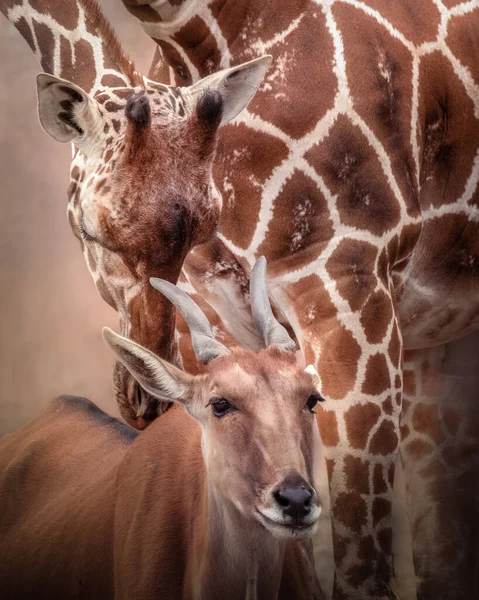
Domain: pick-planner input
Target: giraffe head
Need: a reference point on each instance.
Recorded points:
(141, 192)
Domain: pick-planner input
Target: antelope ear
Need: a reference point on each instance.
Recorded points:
(158, 377)
(66, 112)
(236, 86)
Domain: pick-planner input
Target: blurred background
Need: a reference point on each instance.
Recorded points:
(51, 314)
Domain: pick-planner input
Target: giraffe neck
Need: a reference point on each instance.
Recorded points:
(76, 43)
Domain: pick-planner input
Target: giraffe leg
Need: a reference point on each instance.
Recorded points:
(440, 450)
(359, 375)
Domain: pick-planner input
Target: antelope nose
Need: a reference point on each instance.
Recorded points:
(294, 498)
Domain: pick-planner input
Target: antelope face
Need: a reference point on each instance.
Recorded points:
(259, 428)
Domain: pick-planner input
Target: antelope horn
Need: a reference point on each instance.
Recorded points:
(272, 332)
(204, 344)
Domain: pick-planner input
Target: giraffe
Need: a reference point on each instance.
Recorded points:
(440, 449)
(141, 191)
(354, 171)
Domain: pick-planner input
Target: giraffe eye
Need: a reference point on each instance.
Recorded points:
(84, 233)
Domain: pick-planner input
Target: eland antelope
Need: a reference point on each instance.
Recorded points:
(214, 500)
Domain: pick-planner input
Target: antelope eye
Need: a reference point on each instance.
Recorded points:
(312, 401)
(222, 407)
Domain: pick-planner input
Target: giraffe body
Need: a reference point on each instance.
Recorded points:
(354, 171)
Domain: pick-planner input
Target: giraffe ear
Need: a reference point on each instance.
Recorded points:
(66, 112)
(236, 86)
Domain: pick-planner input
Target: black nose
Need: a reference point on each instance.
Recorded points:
(294, 497)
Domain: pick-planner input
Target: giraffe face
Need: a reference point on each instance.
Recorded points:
(141, 190)
(142, 194)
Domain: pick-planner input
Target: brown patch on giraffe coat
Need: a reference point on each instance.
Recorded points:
(300, 227)
(381, 510)
(174, 58)
(25, 31)
(383, 94)
(113, 55)
(397, 379)
(376, 316)
(426, 420)
(418, 449)
(352, 172)
(387, 405)
(73, 225)
(449, 133)
(385, 539)
(337, 368)
(418, 22)
(448, 257)
(100, 184)
(84, 70)
(242, 150)
(199, 45)
(356, 576)
(328, 426)
(108, 155)
(377, 378)
(340, 547)
(391, 474)
(46, 43)
(72, 189)
(384, 440)
(262, 19)
(317, 317)
(330, 462)
(313, 306)
(296, 106)
(356, 471)
(351, 265)
(351, 510)
(111, 106)
(69, 15)
(462, 40)
(379, 480)
(404, 432)
(367, 550)
(409, 383)
(407, 241)
(451, 420)
(359, 420)
(110, 80)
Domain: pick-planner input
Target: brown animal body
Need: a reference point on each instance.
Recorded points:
(215, 500)
(87, 510)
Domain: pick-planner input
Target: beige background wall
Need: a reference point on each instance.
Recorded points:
(50, 312)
